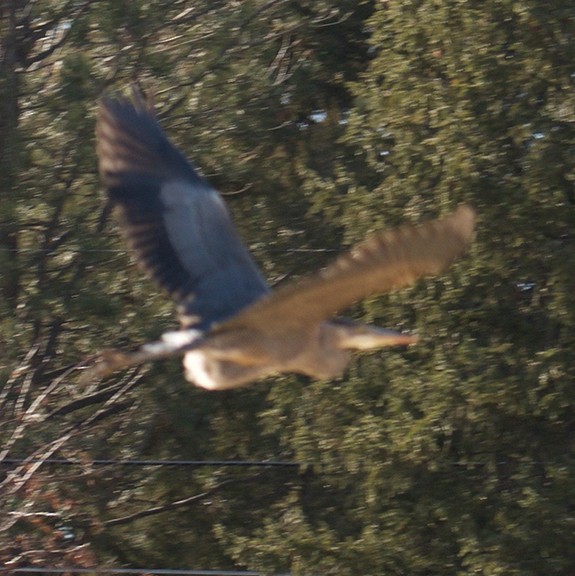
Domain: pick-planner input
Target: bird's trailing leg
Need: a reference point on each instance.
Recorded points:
(172, 344)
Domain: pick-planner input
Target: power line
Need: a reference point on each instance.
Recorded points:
(198, 463)
(220, 463)
(158, 571)
(59, 252)
(120, 251)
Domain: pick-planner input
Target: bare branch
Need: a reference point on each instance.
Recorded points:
(166, 507)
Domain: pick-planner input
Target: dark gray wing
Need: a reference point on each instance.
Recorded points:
(175, 222)
(385, 262)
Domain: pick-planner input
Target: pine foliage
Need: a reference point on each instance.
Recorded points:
(320, 122)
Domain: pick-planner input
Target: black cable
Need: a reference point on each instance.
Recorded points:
(158, 571)
(239, 463)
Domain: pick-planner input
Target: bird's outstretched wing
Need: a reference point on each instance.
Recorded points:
(175, 222)
(385, 262)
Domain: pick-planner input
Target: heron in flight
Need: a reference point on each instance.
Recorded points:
(234, 328)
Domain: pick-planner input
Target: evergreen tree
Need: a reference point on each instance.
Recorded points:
(321, 122)
(228, 84)
(452, 457)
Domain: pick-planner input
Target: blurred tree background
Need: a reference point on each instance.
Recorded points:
(320, 122)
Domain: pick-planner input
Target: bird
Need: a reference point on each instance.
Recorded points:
(234, 329)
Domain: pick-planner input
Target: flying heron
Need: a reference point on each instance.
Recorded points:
(234, 328)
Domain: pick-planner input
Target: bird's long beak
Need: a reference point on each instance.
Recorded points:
(364, 337)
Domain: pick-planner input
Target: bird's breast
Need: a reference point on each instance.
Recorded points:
(200, 371)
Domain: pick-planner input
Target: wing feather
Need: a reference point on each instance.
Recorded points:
(387, 261)
(176, 224)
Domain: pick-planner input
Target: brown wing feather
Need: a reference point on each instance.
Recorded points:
(383, 263)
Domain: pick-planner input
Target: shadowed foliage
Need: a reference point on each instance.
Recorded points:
(321, 123)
